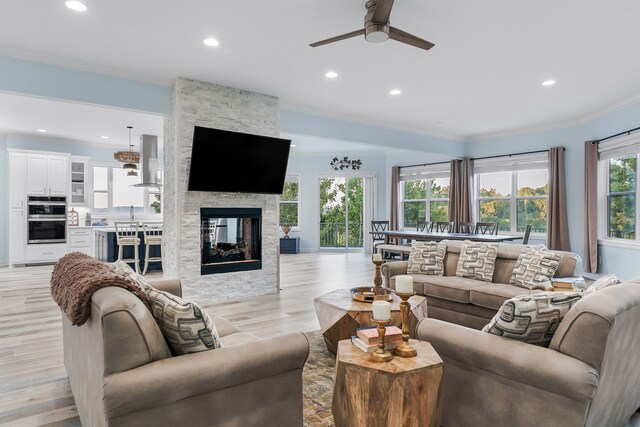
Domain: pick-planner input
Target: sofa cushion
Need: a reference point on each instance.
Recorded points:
(427, 258)
(603, 282)
(535, 266)
(532, 318)
(185, 325)
(494, 295)
(477, 260)
(238, 338)
(451, 288)
(223, 327)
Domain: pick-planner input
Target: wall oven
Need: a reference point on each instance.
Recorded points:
(47, 220)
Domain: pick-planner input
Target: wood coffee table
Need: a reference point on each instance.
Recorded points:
(339, 315)
(402, 392)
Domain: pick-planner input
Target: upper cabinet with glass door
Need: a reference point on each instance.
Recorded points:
(79, 178)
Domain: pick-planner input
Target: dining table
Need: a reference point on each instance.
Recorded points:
(433, 236)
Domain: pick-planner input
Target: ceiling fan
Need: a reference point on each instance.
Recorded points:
(377, 29)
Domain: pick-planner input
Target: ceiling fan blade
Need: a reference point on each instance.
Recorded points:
(382, 12)
(410, 39)
(338, 38)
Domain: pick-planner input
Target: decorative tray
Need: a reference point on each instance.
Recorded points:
(365, 294)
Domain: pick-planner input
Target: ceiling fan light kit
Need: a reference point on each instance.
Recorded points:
(377, 29)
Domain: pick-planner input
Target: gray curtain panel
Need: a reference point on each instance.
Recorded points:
(557, 224)
(461, 191)
(393, 213)
(590, 207)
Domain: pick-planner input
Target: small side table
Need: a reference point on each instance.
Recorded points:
(290, 245)
(402, 392)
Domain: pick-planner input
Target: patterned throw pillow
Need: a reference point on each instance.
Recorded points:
(532, 318)
(186, 327)
(534, 266)
(427, 258)
(477, 260)
(603, 282)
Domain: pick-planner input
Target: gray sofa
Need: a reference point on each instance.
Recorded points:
(122, 373)
(589, 375)
(471, 302)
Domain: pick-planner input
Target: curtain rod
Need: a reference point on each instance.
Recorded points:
(626, 132)
(482, 158)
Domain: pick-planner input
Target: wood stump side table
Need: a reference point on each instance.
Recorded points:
(339, 315)
(403, 392)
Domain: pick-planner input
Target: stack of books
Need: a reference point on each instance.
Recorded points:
(366, 339)
(564, 282)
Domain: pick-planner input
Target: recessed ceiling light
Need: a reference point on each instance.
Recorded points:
(104, 137)
(395, 92)
(548, 83)
(211, 42)
(42, 130)
(331, 74)
(78, 6)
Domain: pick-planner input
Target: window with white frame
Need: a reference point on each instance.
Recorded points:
(619, 188)
(513, 192)
(424, 194)
(290, 202)
(114, 194)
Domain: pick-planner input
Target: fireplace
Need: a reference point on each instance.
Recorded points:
(230, 239)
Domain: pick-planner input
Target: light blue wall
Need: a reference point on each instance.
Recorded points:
(4, 202)
(309, 166)
(620, 261)
(51, 81)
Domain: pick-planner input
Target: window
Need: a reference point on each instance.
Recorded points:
(425, 195)
(621, 197)
(290, 202)
(114, 194)
(514, 193)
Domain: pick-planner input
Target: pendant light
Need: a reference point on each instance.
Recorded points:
(129, 158)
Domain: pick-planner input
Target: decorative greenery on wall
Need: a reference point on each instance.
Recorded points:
(345, 163)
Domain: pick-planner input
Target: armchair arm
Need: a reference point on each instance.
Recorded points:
(176, 378)
(390, 269)
(529, 364)
(173, 286)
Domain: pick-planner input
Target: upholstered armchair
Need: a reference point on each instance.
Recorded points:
(589, 375)
(122, 373)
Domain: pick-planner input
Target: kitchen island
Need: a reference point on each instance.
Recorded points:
(106, 249)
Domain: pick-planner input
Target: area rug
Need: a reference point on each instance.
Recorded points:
(317, 382)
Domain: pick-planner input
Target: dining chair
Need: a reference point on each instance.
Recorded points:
(527, 233)
(378, 239)
(466, 228)
(424, 226)
(127, 235)
(487, 228)
(152, 237)
(445, 226)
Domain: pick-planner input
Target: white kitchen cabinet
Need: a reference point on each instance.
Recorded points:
(81, 240)
(46, 252)
(17, 180)
(17, 236)
(79, 181)
(47, 175)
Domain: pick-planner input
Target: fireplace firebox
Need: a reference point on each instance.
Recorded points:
(230, 239)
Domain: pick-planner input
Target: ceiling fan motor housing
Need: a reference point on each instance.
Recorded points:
(374, 32)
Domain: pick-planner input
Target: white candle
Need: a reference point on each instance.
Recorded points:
(377, 257)
(381, 310)
(404, 284)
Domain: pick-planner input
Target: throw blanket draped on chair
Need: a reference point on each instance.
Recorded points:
(77, 276)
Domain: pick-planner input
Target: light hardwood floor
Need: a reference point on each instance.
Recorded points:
(34, 389)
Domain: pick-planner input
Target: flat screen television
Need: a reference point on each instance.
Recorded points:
(235, 162)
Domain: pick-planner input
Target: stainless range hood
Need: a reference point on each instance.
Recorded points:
(149, 161)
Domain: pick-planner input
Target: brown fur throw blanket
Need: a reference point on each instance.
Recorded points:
(77, 276)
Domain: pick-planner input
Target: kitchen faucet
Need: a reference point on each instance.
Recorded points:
(131, 214)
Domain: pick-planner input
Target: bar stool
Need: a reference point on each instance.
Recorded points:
(127, 235)
(152, 237)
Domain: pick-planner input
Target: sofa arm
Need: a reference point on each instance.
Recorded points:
(173, 286)
(390, 269)
(529, 364)
(181, 377)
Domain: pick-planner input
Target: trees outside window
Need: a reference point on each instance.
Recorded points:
(290, 202)
(425, 199)
(621, 197)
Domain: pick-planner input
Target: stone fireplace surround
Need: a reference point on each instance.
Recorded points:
(203, 104)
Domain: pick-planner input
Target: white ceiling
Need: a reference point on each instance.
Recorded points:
(482, 77)
(75, 122)
(305, 144)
